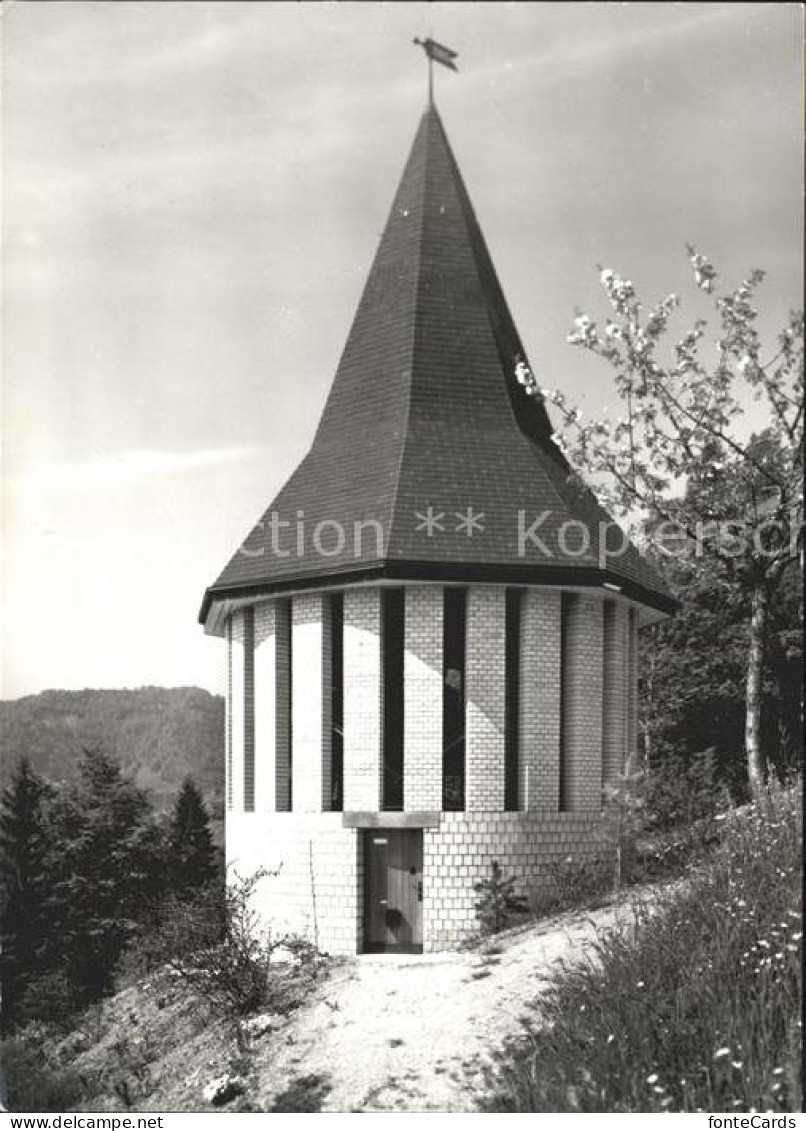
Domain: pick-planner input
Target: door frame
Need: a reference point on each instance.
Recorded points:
(385, 948)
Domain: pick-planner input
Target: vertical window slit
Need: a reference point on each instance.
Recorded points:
(249, 710)
(453, 702)
(512, 698)
(392, 635)
(337, 701)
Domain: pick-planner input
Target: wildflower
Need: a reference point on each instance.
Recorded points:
(777, 1071)
(720, 1053)
(652, 1079)
(736, 1063)
(610, 1039)
(640, 985)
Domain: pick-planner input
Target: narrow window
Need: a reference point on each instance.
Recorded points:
(612, 737)
(249, 710)
(512, 670)
(392, 629)
(229, 712)
(632, 687)
(283, 735)
(337, 701)
(453, 701)
(568, 600)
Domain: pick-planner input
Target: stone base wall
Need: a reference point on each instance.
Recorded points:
(318, 889)
(526, 845)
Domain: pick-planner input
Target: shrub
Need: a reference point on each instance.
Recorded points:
(215, 945)
(498, 900)
(570, 883)
(34, 1085)
(696, 1008)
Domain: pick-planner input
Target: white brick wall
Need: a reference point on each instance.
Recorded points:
(485, 697)
(614, 690)
(540, 700)
(423, 686)
(526, 845)
(318, 889)
(581, 788)
(311, 703)
(363, 704)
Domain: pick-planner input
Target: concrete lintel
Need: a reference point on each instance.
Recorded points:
(358, 820)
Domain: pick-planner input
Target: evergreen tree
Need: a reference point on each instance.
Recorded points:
(22, 868)
(190, 842)
(105, 863)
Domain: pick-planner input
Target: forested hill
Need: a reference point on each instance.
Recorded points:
(158, 734)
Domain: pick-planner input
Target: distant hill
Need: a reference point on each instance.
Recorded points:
(158, 734)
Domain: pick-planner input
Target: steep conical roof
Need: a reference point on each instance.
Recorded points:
(426, 412)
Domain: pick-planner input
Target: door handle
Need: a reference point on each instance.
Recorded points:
(383, 902)
(419, 891)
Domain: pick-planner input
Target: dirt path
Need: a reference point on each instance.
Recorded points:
(414, 1033)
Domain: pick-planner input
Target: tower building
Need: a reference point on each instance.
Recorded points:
(432, 661)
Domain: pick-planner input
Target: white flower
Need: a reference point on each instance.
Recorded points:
(652, 1079)
(720, 1053)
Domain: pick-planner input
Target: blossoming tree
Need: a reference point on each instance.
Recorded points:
(680, 465)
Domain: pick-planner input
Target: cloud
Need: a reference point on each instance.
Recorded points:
(132, 466)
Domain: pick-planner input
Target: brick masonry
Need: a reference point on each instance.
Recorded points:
(459, 853)
(311, 703)
(615, 663)
(363, 702)
(422, 676)
(582, 670)
(485, 690)
(539, 744)
(318, 890)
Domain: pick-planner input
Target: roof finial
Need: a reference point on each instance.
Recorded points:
(440, 53)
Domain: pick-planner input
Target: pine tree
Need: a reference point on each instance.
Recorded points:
(192, 854)
(23, 844)
(498, 900)
(105, 862)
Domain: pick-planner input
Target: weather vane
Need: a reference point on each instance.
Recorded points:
(436, 52)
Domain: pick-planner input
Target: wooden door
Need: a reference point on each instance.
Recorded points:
(393, 889)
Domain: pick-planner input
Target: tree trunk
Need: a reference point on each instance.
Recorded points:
(755, 670)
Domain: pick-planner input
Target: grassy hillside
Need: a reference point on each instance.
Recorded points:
(157, 734)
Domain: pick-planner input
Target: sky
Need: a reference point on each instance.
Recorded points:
(192, 196)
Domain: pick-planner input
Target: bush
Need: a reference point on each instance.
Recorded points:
(32, 1085)
(498, 900)
(697, 1007)
(680, 791)
(215, 946)
(570, 883)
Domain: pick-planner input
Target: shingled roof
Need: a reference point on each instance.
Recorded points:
(426, 412)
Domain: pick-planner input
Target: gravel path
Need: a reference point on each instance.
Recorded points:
(415, 1033)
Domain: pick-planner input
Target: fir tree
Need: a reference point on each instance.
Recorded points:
(190, 842)
(105, 863)
(22, 867)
